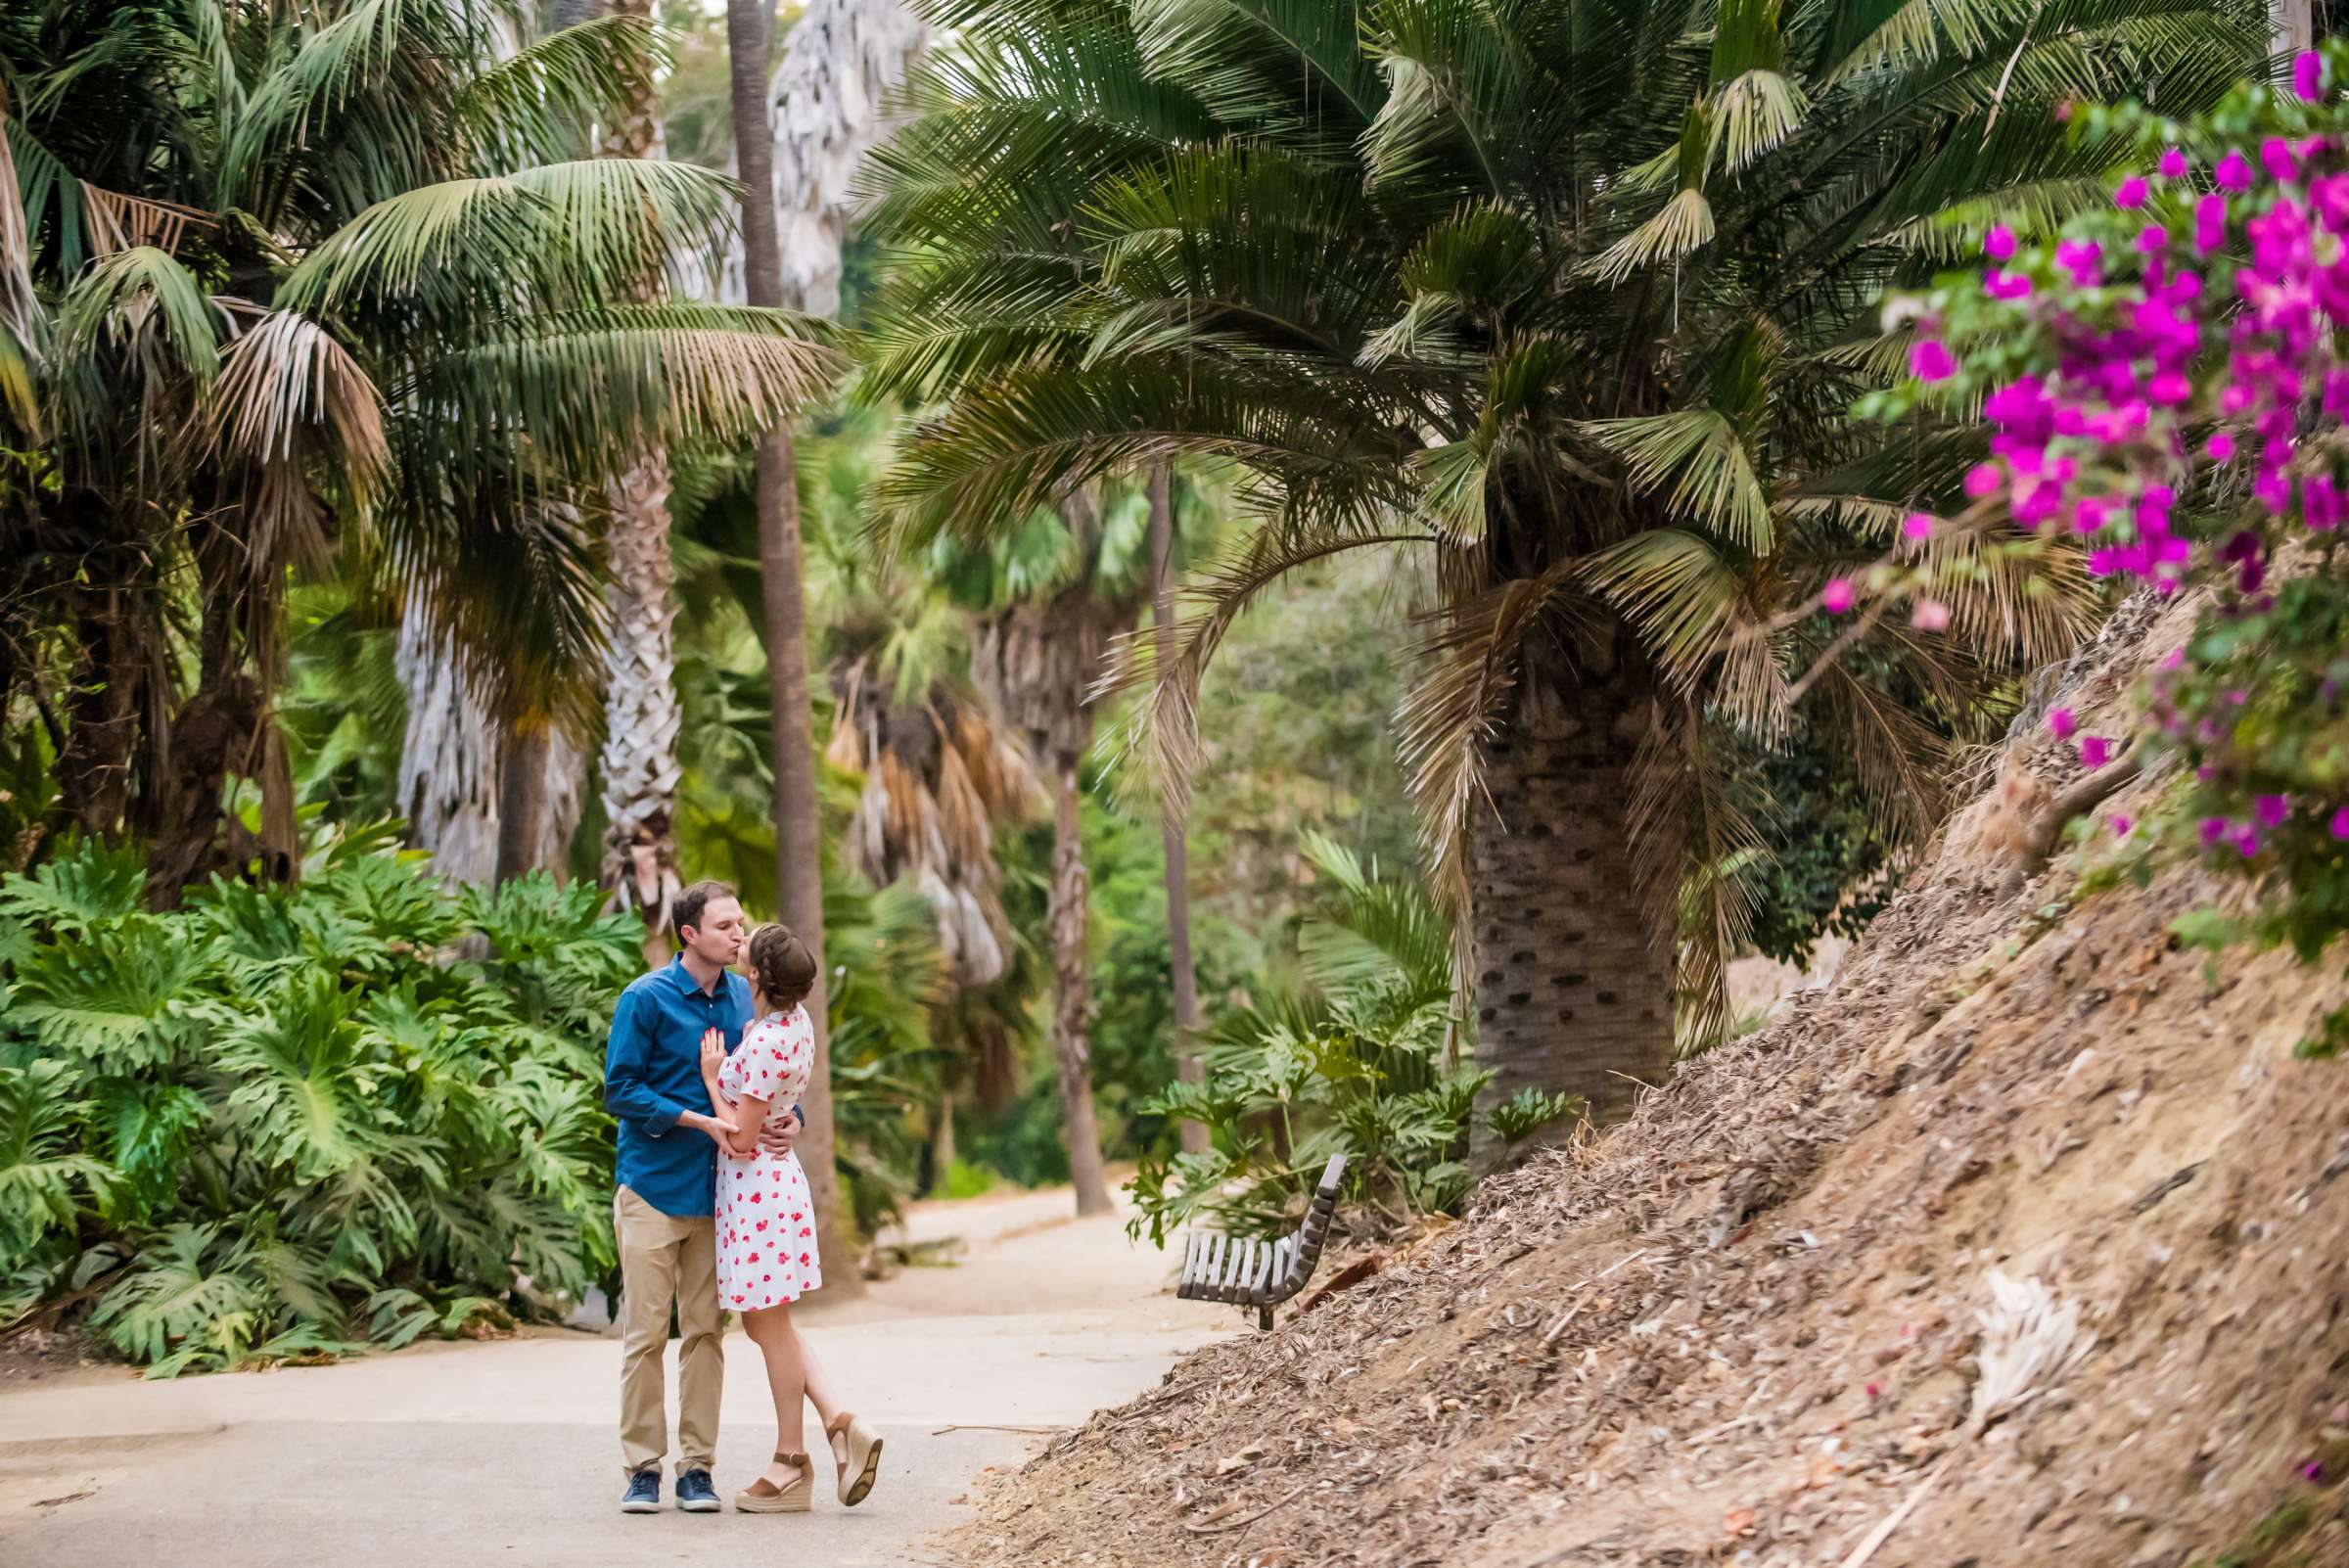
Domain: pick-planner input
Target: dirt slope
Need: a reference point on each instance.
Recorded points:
(1749, 1325)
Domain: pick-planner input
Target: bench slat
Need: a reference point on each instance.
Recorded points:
(1259, 1273)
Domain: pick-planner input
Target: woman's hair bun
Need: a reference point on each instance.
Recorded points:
(782, 965)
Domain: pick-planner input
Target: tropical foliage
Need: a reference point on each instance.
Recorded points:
(282, 1122)
(1572, 300)
(1364, 1059)
(323, 287)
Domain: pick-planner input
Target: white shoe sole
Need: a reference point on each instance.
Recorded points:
(640, 1507)
(703, 1505)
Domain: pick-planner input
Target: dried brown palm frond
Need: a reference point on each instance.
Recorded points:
(1695, 855)
(294, 410)
(939, 779)
(1470, 667)
(999, 770)
(118, 222)
(20, 307)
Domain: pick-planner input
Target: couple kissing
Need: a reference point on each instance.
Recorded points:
(704, 1071)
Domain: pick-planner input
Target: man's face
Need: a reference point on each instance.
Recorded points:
(719, 939)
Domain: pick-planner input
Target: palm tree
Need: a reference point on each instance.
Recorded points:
(1048, 599)
(798, 831)
(1567, 302)
(640, 694)
(286, 287)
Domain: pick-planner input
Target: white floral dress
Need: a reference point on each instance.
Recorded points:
(766, 1223)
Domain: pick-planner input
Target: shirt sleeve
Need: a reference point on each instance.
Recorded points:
(627, 1092)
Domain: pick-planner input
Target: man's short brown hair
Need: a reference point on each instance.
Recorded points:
(687, 911)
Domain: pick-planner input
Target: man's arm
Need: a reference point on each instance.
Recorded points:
(781, 1132)
(626, 1094)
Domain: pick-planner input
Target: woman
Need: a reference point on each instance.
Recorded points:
(766, 1253)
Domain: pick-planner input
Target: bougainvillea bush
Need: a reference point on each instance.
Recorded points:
(2165, 384)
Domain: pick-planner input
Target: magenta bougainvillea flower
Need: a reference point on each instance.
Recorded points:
(1929, 361)
(2063, 725)
(1836, 597)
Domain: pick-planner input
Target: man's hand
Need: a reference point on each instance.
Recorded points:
(718, 1128)
(779, 1133)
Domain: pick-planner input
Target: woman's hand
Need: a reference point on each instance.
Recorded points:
(714, 1053)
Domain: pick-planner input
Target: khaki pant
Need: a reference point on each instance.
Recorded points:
(664, 1258)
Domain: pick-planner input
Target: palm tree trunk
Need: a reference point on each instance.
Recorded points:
(1172, 836)
(2292, 25)
(640, 701)
(941, 1137)
(539, 797)
(1070, 910)
(798, 829)
(448, 757)
(1572, 979)
(1035, 662)
(843, 60)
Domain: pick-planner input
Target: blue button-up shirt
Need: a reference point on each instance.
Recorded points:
(653, 1075)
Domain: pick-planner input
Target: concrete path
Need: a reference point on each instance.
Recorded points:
(505, 1453)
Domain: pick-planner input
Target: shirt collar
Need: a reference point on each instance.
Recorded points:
(682, 978)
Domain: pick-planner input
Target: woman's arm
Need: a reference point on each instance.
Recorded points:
(749, 1114)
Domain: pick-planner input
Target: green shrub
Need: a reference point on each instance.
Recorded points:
(280, 1123)
(1366, 1060)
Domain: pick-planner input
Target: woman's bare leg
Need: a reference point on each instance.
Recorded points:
(786, 1379)
(827, 1404)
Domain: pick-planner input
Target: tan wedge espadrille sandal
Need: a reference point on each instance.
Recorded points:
(764, 1497)
(864, 1462)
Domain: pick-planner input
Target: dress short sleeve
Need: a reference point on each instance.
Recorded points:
(756, 1068)
(796, 1053)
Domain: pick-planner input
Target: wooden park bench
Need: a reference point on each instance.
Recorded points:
(1261, 1273)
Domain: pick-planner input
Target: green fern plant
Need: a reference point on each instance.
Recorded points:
(1368, 1057)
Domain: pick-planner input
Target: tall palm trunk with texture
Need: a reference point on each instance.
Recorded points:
(798, 828)
(448, 759)
(538, 801)
(641, 716)
(1036, 661)
(1172, 836)
(1571, 978)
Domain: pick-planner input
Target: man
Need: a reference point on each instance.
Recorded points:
(668, 1181)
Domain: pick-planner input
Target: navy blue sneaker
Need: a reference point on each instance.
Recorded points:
(695, 1495)
(644, 1492)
